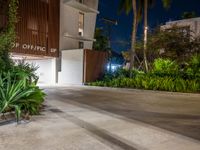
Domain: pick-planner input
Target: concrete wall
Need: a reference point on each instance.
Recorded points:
(72, 67)
(91, 3)
(69, 24)
(89, 28)
(71, 57)
(193, 23)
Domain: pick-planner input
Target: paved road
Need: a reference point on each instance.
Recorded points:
(83, 118)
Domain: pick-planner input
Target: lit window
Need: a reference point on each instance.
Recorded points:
(81, 24)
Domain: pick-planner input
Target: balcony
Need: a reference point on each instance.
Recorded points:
(79, 38)
(80, 6)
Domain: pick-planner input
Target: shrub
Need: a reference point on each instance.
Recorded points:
(7, 33)
(153, 83)
(25, 70)
(18, 91)
(122, 73)
(173, 43)
(119, 73)
(193, 69)
(165, 67)
(166, 76)
(31, 103)
(19, 96)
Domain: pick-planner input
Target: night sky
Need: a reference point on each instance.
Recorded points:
(157, 15)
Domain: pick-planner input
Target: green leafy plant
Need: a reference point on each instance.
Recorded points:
(7, 33)
(11, 92)
(25, 71)
(165, 76)
(19, 94)
(193, 69)
(177, 43)
(18, 90)
(31, 103)
(165, 67)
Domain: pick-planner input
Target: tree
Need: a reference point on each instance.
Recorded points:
(146, 4)
(101, 43)
(188, 15)
(176, 43)
(128, 6)
(145, 33)
(7, 32)
(139, 7)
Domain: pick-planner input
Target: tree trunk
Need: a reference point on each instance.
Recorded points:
(145, 34)
(134, 33)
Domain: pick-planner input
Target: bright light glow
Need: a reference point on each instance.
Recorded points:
(114, 67)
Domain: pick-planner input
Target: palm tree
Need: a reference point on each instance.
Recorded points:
(146, 4)
(145, 33)
(128, 6)
(138, 7)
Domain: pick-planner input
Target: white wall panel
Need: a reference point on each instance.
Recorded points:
(46, 70)
(72, 67)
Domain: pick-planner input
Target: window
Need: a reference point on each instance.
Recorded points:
(81, 45)
(81, 24)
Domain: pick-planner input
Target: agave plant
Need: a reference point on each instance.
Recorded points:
(16, 95)
(31, 103)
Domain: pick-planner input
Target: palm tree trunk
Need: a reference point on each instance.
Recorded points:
(145, 34)
(134, 33)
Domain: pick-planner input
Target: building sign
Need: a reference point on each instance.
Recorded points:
(31, 47)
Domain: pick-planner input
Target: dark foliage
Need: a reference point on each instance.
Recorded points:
(166, 75)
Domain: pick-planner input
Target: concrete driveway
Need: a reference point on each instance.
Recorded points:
(84, 118)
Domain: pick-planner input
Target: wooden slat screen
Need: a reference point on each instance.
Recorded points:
(38, 27)
(94, 64)
(53, 26)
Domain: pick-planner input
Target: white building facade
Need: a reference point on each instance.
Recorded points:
(192, 25)
(76, 33)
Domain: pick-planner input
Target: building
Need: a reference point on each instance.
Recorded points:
(54, 35)
(191, 25)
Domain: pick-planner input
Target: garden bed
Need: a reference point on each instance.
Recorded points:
(7, 118)
(166, 75)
